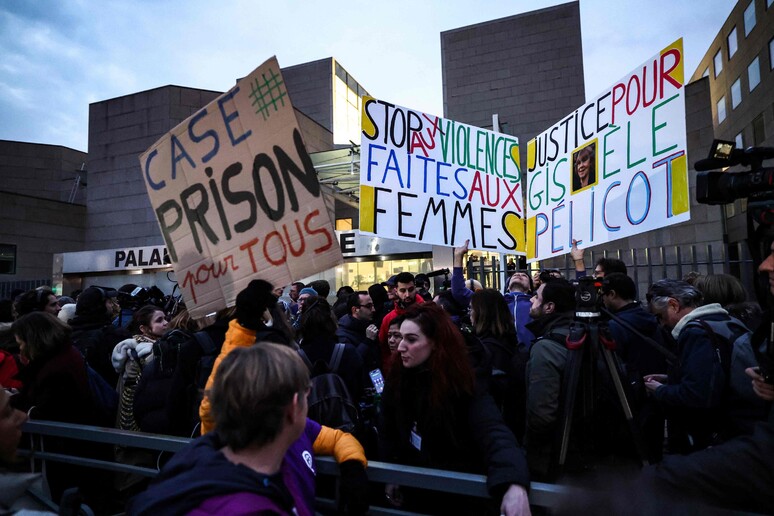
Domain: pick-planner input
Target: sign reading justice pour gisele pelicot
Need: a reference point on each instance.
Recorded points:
(614, 167)
(237, 197)
(427, 179)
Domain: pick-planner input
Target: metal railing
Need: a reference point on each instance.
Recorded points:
(644, 266)
(541, 495)
(6, 287)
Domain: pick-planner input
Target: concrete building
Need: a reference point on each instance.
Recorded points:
(42, 209)
(527, 69)
(739, 67)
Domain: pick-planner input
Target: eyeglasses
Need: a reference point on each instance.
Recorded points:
(367, 305)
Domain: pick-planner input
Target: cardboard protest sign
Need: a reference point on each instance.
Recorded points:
(237, 197)
(436, 181)
(614, 167)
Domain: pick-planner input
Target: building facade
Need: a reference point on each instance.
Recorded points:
(739, 67)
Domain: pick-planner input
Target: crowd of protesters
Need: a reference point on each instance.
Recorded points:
(463, 378)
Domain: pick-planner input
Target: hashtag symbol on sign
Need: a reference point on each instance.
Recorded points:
(266, 93)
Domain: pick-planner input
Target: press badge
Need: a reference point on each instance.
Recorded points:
(416, 439)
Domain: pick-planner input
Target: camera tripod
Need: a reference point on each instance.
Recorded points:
(589, 338)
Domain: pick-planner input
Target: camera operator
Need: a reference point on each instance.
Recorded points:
(630, 326)
(619, 295)
(552, 311)
(130, 298)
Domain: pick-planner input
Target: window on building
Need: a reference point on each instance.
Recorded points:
(768, 3)
(759, 130)
(771, 53)
(706, 72)
(732, 43)
(7, 259)
(739, 141)
(736, 93)
(718, 60)
(343, 224)
(721, 109)
(754, 73)
(749, 18)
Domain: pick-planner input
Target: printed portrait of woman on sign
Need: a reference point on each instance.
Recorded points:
(584, 167)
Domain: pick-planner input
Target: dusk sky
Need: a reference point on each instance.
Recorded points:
(59, 56)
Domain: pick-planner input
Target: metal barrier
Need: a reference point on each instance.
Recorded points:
(542, 495)
(645, 265)
(6, 287)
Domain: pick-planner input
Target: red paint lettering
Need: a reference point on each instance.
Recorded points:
(324, 231)
(645, 101)
(511, 195)
(631, 109)
(206, 271)
(249, 246)
(618, 88)
(476, 187)
(418, 141)
(266, 241)
(302, 246)
(665, 73)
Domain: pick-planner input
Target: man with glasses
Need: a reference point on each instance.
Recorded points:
(694, 396)
(356, 328)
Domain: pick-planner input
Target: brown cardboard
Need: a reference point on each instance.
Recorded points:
(237, 197)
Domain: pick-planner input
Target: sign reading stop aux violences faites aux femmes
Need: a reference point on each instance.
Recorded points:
(237, 197)
(436, 181)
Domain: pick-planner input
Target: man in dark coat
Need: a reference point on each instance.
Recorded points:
(641, 357)
(629, 324)
(357, 328)
(552, 312)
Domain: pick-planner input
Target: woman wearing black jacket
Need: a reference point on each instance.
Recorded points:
(493, 324)
(435, 416)
(56, 388)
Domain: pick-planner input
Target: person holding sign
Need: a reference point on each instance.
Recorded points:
(584, 167)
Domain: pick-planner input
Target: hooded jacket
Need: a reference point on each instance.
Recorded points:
(326, 441)
(640, 357)
(694, 398)
(201, 480)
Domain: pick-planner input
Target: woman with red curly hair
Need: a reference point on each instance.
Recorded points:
(435, 416)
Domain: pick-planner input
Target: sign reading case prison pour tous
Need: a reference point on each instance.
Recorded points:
(436, 181)
(614, 167)
(237, 197)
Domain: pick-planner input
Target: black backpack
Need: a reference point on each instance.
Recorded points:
(166, 350)
(329, 401)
